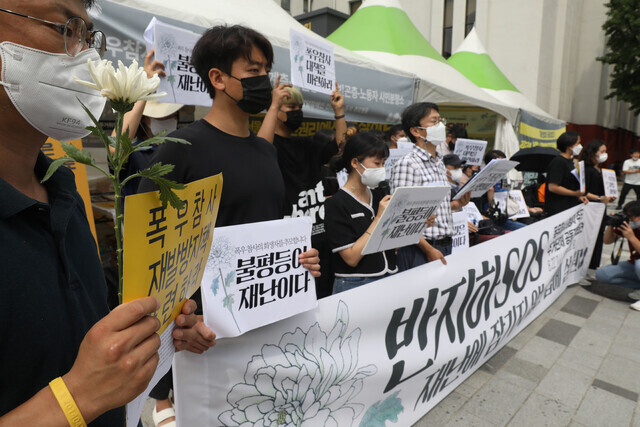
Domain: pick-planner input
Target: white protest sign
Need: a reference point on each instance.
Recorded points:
(173, 47)
(253, 276)
(486, 178)
(404, 219)
(312, 63)
(471, 150)
(395, 154)
(386, 353)
(473, 214)
(166, 352)
(610, 183)
(517, 197)
(342, 176)
(582, 179)
(460, 238)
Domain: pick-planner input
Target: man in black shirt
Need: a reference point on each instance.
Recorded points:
(53, 309)
(301, 160)
(233, 62)
(563, 188)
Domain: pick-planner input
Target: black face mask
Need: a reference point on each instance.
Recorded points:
(452, 145)
(294, 119)
(256, 94)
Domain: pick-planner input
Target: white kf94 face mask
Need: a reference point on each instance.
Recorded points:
(436, 134)
(41, 87)
(371, 177)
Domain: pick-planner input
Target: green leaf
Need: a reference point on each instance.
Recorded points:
(127, 145)
(98, 129)
(227, 302)
(156, 170)
(53, 167)
(229, 279)
(214, 286)
(382, 411)
(77, 154)
(158, 140)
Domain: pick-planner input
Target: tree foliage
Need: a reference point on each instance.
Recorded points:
(622, 29)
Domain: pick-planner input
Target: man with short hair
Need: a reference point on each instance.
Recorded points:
(53, 307)
(233, 62)
(631, 172)
(394, 133)
(563, 188)
(449, 145)
(422, 167)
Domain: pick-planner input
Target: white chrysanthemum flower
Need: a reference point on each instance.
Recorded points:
(309, 378)
(125, 85)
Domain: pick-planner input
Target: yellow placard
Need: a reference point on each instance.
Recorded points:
(166, 250)
(53, 149)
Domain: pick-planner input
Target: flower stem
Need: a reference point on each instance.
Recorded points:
(224, 288)
(117, 223)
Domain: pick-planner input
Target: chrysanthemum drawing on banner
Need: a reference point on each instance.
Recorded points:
(221, 262)
(308, 378)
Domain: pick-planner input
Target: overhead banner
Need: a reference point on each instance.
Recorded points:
(253, 277)
(370, 96)
(537, 133)
(479, 123)
(386, 353)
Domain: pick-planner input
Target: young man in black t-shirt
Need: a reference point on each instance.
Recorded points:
(233, 63)
(563, 188)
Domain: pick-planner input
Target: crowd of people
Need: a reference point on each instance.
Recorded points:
(66, 358)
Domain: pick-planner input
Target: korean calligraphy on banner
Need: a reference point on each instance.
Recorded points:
(253, 277)
(53, 149)
(166, 250)
(313, 66)
(405, 217)
(173, 47)
(610, 183)
(470, 150)
(433, 326)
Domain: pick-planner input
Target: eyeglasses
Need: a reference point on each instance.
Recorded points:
(75, 33)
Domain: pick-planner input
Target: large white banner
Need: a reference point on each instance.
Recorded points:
(253, 277)
(387, 352)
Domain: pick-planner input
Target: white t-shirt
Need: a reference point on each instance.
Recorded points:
(633, 178)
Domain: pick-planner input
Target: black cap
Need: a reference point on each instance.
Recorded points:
(453, 160)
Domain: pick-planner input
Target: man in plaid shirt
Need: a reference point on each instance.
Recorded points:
(422, 167)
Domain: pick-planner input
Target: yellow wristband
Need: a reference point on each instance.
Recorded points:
(66, 402)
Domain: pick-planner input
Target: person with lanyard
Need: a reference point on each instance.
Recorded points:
(301, 160)
(593, 155)
(422, 167)
(562, 191)
(65, 358)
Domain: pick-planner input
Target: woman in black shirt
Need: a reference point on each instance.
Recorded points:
(593, 155)
(353, 212)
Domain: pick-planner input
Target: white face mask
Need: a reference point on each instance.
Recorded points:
(634, 225)
(40, 85)
(577, 149)
(603, 157)
(371, 177)
(156, 126)
(436, 134)
(456, 174)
